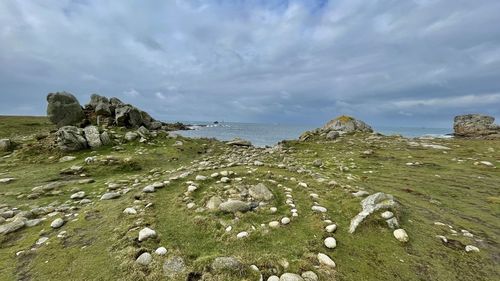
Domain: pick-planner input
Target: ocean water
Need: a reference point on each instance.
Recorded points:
(270, 134)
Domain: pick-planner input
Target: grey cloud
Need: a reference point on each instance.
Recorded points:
(390, 62)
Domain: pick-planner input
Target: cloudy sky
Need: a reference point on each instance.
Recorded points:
(389, 62)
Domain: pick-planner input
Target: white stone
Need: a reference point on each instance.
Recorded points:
(326, 260)
(319, 209)
(57, 223)
(285, 221)
(224, 179)
(291, 277)
(303, 184)
(273, 278)
(470, 248)
(330, 243)
(273, 210)
(192, 188)
(149, 189)
(78, 195)
(387, 215)
(229, 228)
(242, 234)
(331, 228)
(146, 233)
(274, 224)
(161, 251)
(401, 235)
(42, 240)
(309, 276)
(130, 211)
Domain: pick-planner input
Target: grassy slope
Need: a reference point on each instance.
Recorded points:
(101, 245)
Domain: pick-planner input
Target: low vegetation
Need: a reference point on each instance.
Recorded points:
(447, 193)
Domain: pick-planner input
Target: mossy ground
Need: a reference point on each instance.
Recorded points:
(100, 244)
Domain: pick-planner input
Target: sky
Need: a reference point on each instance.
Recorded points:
(387, 62)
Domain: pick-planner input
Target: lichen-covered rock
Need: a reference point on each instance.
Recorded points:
(93, 137)
(475, 125)
(174, 267)
(260, 192)
(227, 264)
(63, 109)
(70, 138)
(233, 206)
(347, 124)
(371, 204)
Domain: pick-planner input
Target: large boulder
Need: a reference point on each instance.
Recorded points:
(100, 105)
(70, 138)
(92, 136)
(63, 109)
(475, 125)
(233, 206)
(347, 124)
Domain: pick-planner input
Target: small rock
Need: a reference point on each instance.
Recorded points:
(309, 276)
(66, 159)
(285, 221)
(326, 260)
(273, 278)
(146, 233)
(148, 189)
(387, 215)
(57, 223)
(41, 240)
(470, 248)
(319, 209)
(173, 266)
(200, 178)
(401, 235)
(130, 211)
(161, 251)
(110, 195)
(78, 195)
(330, 242)
(291, 277)
(227, 264)
(331, 228)
(242, 234)
(144, 259)
(274, 224)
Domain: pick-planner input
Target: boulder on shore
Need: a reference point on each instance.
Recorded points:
(347, 124)
(64, 109)
(475, 125)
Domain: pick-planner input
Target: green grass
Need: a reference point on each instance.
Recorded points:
(102, 245)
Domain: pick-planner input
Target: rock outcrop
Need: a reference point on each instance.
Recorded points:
(475, 125)
(347, 124)
(337, 127)
(64, 109)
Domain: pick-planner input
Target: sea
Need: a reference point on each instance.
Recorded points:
(270, 134)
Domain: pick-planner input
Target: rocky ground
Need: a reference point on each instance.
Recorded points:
(330, 207)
